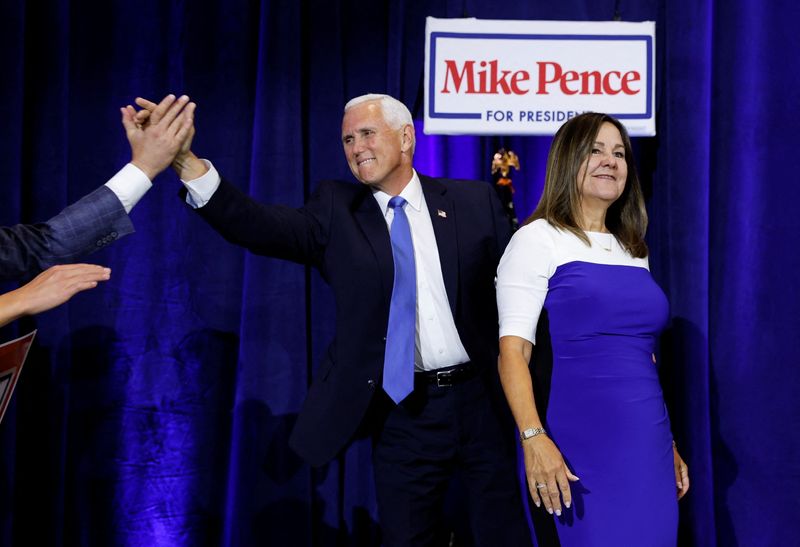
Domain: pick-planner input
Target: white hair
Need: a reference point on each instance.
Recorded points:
(394, 112)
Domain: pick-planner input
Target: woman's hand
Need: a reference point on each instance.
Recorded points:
(681, 472)
(547, 473)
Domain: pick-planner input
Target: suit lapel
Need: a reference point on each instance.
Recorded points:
(369, 217)
(443, 218)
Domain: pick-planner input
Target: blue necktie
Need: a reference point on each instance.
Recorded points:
(398, 361)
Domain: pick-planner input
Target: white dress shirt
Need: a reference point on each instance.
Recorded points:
(129, 185)
(437, 342)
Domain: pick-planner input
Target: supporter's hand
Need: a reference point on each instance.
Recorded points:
(49, 289)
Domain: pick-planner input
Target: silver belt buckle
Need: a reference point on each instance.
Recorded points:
(443, 378)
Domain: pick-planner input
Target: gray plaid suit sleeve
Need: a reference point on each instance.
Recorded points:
(89, 224)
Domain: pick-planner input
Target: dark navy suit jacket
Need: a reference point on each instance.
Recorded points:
(342, 232)
(85, 226)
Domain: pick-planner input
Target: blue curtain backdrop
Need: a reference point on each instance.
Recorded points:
(155, 410)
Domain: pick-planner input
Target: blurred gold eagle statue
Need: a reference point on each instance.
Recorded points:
(502, 162)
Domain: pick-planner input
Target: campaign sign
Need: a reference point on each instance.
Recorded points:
(12, 357)
(528, 77)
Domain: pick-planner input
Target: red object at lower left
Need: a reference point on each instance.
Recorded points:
(12, 357)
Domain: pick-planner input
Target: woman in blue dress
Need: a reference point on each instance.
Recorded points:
(604, 463)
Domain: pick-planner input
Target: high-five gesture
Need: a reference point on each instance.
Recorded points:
(155, 144)
(186, 164)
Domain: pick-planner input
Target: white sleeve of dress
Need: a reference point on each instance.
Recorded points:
(522, 280)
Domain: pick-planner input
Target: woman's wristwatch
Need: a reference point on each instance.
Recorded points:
(530, 433)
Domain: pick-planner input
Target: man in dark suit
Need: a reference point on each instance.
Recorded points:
(442, 242)
(91, 223)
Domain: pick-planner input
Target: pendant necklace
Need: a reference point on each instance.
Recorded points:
(606, 248)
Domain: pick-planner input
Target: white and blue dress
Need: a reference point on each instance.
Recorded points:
(606, 410)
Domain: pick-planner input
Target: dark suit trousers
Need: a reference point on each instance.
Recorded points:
(435, 433)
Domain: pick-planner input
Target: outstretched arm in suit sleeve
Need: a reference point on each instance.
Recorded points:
(49, 289)
(271, 230)
(89, 224)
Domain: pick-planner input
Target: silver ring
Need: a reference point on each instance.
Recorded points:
(541, 485)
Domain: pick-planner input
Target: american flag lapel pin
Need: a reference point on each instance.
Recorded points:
(441, 213)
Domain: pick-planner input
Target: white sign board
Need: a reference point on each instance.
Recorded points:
(529, 77)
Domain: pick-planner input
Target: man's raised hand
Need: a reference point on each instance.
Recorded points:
(156, 141)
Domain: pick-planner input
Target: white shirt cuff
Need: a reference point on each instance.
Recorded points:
(129, 185)
(201, 189)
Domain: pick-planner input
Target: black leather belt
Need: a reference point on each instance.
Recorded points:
(449, 376)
